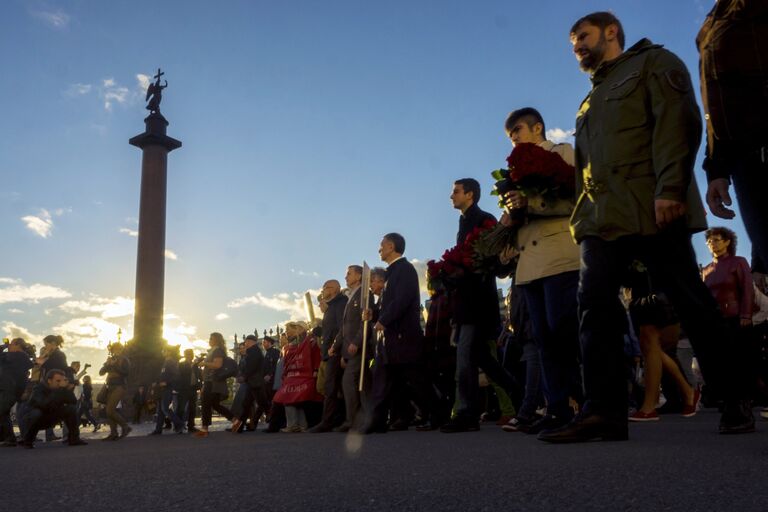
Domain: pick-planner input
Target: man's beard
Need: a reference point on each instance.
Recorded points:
(594, 58)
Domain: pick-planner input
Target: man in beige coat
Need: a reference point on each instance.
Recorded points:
(548, 277)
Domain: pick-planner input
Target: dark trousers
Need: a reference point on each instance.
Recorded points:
(750, 180)
(164, 411)
(7, 400)
(85, 409)
(187, 400)
(552, 308)
(392, 382)
(333, 407)
(212, 402)
(251, 396)
(673, 270)
(355, 401)
(472, 353)
(38, 420)
(137, 408)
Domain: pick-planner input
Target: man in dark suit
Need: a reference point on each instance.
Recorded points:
(476, 316)
(332, 319)
(252, 376)
(348, 345)
(399, 360)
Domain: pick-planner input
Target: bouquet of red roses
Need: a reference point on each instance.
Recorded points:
(531, 170)
(459, 259)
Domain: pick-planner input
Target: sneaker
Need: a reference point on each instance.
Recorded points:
(640, 416)
(504, 420)
(690, 410)
(518, 424)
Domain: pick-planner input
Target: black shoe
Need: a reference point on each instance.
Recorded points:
(398, 426)
(343, 428)
(460, 425)
(547, 422)
(76, 441)
(520, 424)
(588, 428)
(126, 430)
(425, 426)
(319, 429)
(737, 419)
(192, 430)
(111, 437)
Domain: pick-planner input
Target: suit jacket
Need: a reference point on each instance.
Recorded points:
(253, 369)
(400, 315)
(352, 327)
(332, 319)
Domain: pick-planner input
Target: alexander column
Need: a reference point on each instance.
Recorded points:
(145, 349)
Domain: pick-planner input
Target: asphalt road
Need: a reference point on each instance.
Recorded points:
(675, 464)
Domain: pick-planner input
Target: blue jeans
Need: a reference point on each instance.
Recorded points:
(164, 410)
(532, 396)
(552, 307)
(750, 181)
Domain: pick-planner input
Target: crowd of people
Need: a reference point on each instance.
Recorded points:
(606, 294)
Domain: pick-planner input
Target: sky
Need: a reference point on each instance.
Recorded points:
(309, 130)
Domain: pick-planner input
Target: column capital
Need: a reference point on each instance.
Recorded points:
(154, 135)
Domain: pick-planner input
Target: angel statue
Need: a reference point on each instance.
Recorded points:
(155, 92)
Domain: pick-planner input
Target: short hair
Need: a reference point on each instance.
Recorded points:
(725, 234)
(397, 240)
(54, 372)
(356, 268)
(601, 20)
(528, 115)
(55, 339)
(470, 185)
(218, 340)
(379, 273)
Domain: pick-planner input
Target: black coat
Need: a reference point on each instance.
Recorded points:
(253, 367)
(56, 360)
(332, 320)
(475, 299)
(14, 372)
(352, 327)
(51, 401)
(399, 314)
(190, 377)
(271, 357)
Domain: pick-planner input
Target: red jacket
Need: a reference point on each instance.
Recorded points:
(730, 281)
(300, 364)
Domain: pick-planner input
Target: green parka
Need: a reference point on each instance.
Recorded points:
(637, 134)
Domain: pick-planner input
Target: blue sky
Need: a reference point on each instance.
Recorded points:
(309, 128)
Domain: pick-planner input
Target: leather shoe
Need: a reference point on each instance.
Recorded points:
(588, 428)
(737, 418)
(547, 422)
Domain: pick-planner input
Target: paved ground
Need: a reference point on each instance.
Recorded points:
(676, 464)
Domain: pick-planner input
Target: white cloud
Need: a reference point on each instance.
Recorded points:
(559, 135)
(107, 308)
(304, 274)
(56, 19)
(9, 280)
(108, 82)
(12, 330)
(290, 303)
(129, 232)
(31, 294)
(421, 271)
(143, 81)
(90, 331)
(78, 89)
(169, 254)
(40, 224)
(15, 311)
(222, 316)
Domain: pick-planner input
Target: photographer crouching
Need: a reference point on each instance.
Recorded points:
(52, 402)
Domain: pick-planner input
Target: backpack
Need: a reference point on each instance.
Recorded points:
(228, 369)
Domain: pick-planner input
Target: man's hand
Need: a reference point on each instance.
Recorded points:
(352, 349)
(668, 211)
(515, 199)
(379, 326)
(717, 196)
(367, 315)
(331, 352)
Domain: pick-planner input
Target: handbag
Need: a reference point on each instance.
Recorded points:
(102, 396)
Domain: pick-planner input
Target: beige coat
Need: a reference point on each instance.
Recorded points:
(545, 244)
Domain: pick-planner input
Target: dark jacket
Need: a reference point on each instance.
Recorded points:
(475, 299)
(190, 377)
(117, 369)
(169, 373)
(56, 360)
(733, 50)
(637, 134)
(50, 401)
(271, 357)
(14, 372)
(400, 315)
(140, 397)
(253, 367)
(352, 328)
(332, 320)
